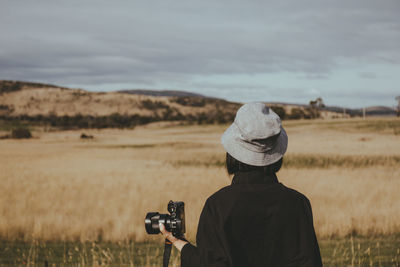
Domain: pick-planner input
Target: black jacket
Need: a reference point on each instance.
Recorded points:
(256, 221)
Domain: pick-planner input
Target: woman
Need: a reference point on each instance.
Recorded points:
(256, 221)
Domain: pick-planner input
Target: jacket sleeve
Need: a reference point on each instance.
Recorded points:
(209, 251)
(312, 256)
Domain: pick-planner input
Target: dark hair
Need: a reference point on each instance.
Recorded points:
(233, 165)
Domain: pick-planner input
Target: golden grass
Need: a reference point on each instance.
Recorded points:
(357, 201)
(59, 187)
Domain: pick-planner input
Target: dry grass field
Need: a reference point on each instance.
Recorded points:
(59, 187)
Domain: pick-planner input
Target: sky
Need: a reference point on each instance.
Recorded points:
(345, 51)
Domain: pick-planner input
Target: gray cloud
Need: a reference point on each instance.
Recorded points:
(138, 42)
(368, 75)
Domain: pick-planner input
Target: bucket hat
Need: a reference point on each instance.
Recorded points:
(256, 137)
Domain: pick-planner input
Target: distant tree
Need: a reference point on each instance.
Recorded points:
(296, 114)
(315, 106)
(398, 105)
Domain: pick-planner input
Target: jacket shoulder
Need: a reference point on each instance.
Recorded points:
(294, 196)
(294, 193)
(229, 190)
(221, 193)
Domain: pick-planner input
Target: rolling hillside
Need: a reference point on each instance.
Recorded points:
(54, 105)
(38, 99)
(61, 106)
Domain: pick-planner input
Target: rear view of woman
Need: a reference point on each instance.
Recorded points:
(255, 221)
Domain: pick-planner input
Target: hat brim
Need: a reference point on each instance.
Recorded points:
(233, 144)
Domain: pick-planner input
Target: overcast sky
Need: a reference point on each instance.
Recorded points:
(347, 52)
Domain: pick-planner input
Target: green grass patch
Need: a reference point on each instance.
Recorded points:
(132, 146)
(20, 253)
(361, 251)
(379, 126)
(371, 125)
(184, 145)
(308, 161)
(212, 162)
(10, 125)
(328, 161)
(349, 251)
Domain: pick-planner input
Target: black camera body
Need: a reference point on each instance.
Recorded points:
(173, 222)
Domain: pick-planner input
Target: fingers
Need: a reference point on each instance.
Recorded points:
(167, 234)
(179, 244)
(162, 229)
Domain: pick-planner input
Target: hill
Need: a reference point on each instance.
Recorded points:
(60, 106)
(53, 105)
(369, 111)
(7, 86)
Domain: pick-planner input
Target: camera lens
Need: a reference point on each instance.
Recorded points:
(152, 220)
(151, 223)
(173, 222)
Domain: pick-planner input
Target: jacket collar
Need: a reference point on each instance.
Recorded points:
(254, 177)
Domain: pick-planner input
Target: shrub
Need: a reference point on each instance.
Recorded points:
(9, 86)
(190, 101)
(153, 105)
(21, 133)
(4, 107)
(280, 111)
(310, 113)
(86, 136)
(7, 136)
(296, 114)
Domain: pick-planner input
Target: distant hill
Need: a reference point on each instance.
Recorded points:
(7, 86)
(380, 110)
(53, 105)
(45, 104)
(369, 111)
(26, 98)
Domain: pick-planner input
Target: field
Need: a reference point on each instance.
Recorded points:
(74, 201)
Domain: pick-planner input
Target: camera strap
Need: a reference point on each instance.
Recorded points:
(167, 252)
(168, 248)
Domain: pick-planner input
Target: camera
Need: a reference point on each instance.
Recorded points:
(173, 222)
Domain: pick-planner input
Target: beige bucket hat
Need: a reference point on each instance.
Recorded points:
(256, 137)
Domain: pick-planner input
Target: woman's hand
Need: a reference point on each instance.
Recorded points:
(168, 235)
